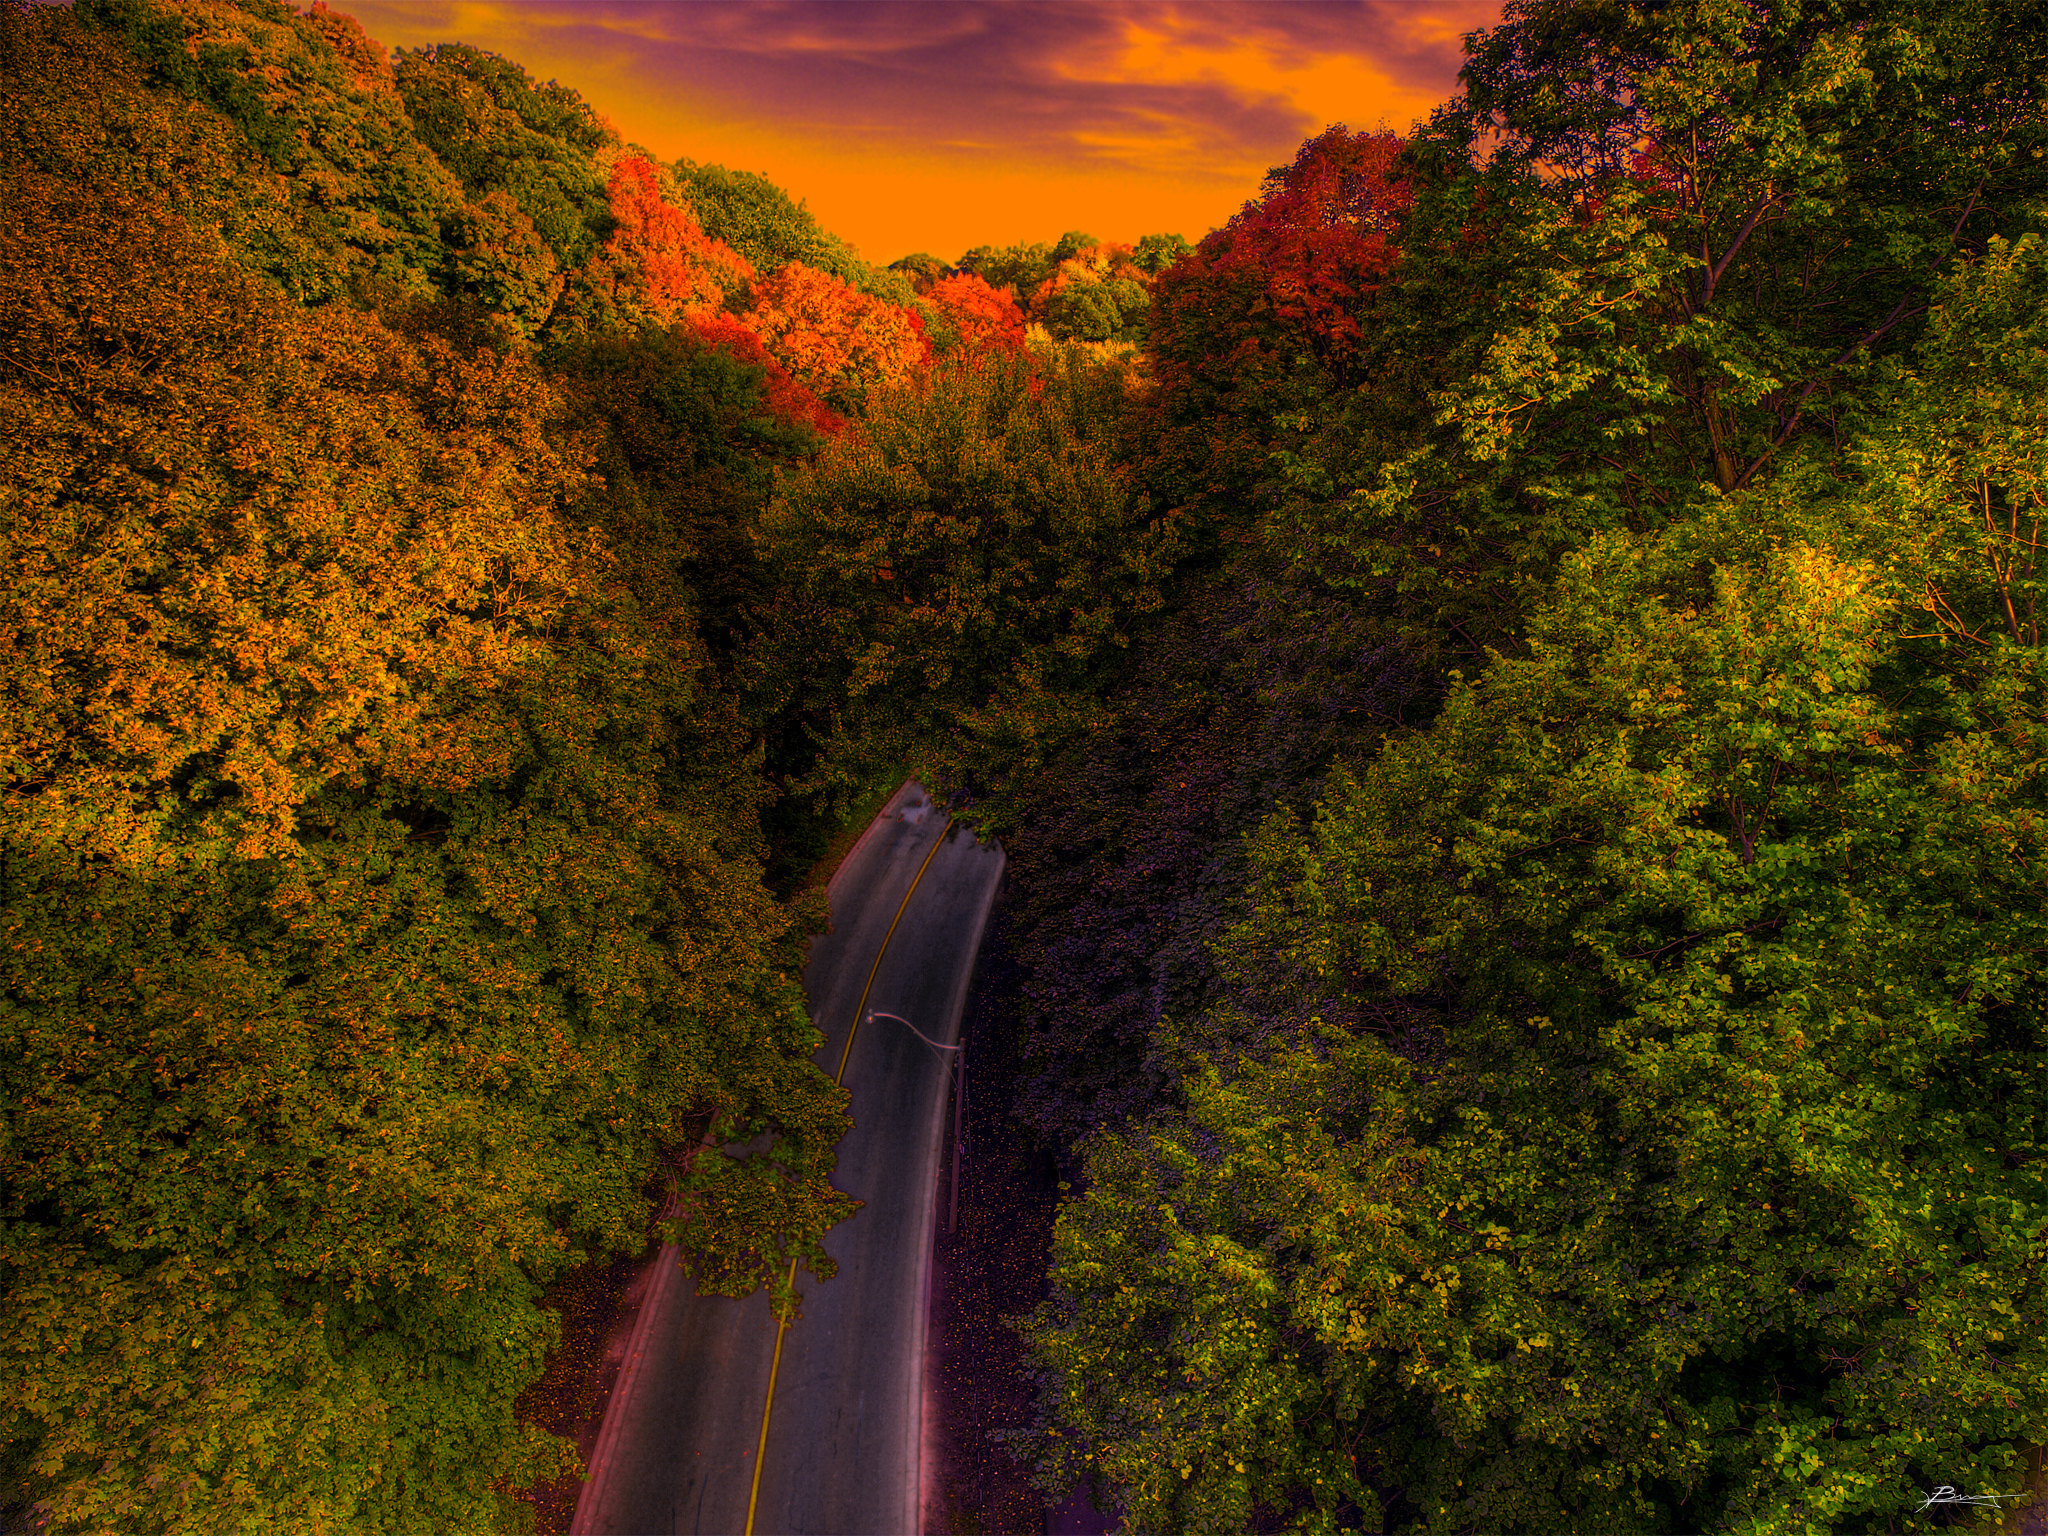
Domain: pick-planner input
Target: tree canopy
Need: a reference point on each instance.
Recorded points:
(1510, 675)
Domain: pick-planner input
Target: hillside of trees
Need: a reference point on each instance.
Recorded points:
(1510, 677)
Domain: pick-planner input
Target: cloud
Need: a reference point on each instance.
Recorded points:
(1197, 95)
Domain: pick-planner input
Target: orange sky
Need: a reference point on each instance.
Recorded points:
(932, 125)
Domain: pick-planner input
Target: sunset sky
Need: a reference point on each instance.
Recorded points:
(935, 126)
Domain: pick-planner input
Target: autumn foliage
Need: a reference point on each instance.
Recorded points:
(380, 875)
(783, 395)
(981, 315)
(1266, 311)
(1097, 293)
(657, 262)
(1510, 675)
(832, 338)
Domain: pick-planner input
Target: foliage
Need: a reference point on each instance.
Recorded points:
(1721, 1204)
(1244, 687)
(1155, 253)
(1262, 321)
(380, 896)
(1618, 1108)
(694, 419)
(979, 317)
(497, 257)
(922, 269)
(1594, 1088)
(1022, 267)
(1078, 288)
(1582, 343)
(1096, 294)
(333, 189)
(834, 340)
(760, 221)
(656, 263)
(488, 123)
(955, 569)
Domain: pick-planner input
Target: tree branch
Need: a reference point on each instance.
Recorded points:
(1741, 237)
(1899, 312)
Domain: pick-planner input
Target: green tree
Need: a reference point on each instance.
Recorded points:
(957, 570)
(498, 257)
(1724, 1044)
(1696, 231)
(486, 121)
(381, 903)
(771, 229)
(694, 427)
(1155, 253)
(1627, 1112)
(922, 269)
(315, 99)
(1019, 268)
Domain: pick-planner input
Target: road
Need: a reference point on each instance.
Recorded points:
(676, 1453)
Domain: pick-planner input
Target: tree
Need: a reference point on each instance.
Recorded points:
(957, 568)
(1686, 1094)
(485, 120)
(1593, 337)
(381, 894)
(1155, 253)
(1095, 293)
(1616, 1116)
(923, 270)
(1019, 268)
(770, 229)
(335, 188)
(497, 256)
(695, 419)
(981, 317)
(1262, 322)
(1686, 971)
(833, 339)
(656, 264)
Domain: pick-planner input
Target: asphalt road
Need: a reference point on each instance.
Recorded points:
(676, 1453)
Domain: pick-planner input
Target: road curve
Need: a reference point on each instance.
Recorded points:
(676, 1453)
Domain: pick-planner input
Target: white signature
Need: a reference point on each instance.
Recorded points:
(1947, 1495)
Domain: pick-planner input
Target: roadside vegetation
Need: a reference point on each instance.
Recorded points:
(1510, 677)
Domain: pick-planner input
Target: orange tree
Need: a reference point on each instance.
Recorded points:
(379, 895)
(835, 340)
(656, 263)
(978, 316)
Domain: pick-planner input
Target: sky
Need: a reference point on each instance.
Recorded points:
(938, 125)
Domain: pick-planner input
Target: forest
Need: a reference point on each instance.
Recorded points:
(1510, 676)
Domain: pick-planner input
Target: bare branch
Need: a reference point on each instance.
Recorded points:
(1968, 208)
(1741, 237)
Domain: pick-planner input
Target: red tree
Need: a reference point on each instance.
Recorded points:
(1313, 246)
(831, 337)
(1278, 288)
(659, 262)
(786, 397)
(985, 317)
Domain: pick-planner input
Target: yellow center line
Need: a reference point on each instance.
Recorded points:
(782, 1318)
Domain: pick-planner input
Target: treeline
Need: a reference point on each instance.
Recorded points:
(418, 709)
(1539, 958)
(1077, 289)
